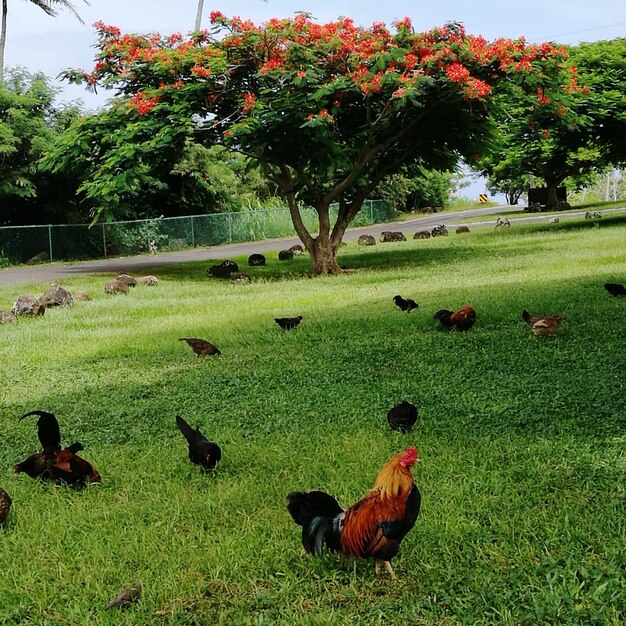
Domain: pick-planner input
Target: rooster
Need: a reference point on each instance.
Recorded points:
(373, 527)
(615, 289)
(288, 322)
(201, 347)
(405, 304)
(547, 325)
(62, 465)
(463, 319)
(202, 452)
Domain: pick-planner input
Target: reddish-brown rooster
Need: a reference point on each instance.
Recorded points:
(463, 319)
(60, 464)
(373, 527)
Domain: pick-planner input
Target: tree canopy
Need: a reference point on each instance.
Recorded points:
(562, 133)
(327, 110)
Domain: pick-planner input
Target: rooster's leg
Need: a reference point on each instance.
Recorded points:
(376, 565)
(389, 569)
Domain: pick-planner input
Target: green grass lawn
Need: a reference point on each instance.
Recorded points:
(522, 437)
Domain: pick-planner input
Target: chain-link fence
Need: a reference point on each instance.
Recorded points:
(68, 242)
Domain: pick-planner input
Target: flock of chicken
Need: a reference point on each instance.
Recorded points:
(371, 528)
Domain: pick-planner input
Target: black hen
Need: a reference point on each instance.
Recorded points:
(615, 289)
(403, 416)
(202, 452)
(405, 304)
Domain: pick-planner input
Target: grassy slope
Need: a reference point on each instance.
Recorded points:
(522, 439)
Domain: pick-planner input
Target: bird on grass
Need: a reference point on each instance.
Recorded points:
(288, 322)
(402, 416)
(405, 304)
(462, 320)
(201, 347)
(63, 465)
(374, 527)
(126, 597)
(547, 325)
(5, 505)
(202, 452)
(615, 289)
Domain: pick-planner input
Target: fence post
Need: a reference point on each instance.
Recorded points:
(50, 240)
(371, 211)
(230, 228)
(193, 234)
(104, 240)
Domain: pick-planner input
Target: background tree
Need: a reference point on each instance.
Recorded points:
(415, 188)
(565, 134)
(328, 111)
(30, 123)
(48, 6)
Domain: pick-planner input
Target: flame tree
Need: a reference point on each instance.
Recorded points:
(327, 110)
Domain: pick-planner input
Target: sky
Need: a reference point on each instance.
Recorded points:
(38, 42)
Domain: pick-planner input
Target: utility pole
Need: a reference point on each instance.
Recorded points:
(199, 15)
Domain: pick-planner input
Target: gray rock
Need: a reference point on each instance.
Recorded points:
(27, 305)
(7, 318)
(367, 240)
(81, 294)
(56, 296)
(388, 235)
(42, 257)
(148, 280)
(125, 278)
(116, 286)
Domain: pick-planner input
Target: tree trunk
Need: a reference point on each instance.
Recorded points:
(552, 202)
(323, 255)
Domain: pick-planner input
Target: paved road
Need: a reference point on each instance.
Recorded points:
(146, 264)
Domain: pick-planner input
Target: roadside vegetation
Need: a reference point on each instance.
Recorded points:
(522, 438)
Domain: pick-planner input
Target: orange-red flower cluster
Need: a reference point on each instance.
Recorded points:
(144, 104)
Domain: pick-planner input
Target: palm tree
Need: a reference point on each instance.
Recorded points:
(49, 6)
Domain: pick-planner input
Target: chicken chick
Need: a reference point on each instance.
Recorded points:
(126, 596)
(201, 347)
(405, 304)
(288, 322)
(547, 325)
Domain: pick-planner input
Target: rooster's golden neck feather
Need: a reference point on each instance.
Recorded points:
(393, 479)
